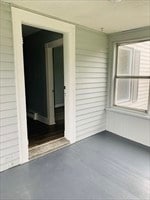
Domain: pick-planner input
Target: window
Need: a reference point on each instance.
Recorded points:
(132, 77)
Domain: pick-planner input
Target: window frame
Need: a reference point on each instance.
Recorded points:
(132, 77)
(130, 69)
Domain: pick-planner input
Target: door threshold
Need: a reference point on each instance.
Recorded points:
(47, 147)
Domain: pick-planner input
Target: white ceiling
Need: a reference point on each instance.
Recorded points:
(95, 14)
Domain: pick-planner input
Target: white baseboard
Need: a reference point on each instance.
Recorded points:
(43, 119)
(32, 115)
(38, 117)
(59, 105)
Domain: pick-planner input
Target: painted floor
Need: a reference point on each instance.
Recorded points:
(104, 166)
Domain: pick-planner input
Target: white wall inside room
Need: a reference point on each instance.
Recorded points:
(128, 124)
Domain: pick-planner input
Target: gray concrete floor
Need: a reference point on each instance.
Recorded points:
(104, 166)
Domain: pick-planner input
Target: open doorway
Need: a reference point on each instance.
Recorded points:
(20, 17)
(44, 88)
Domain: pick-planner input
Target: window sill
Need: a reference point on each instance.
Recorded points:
(129, 112)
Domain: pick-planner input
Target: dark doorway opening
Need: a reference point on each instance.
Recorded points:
(40, 129)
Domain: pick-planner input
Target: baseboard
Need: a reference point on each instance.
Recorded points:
(32, 115)
(59, 105)
(43, 119)
(38, 117)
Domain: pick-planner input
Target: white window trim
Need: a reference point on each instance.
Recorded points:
(129, 112)
(20, 17)
(112, 70)
(115, 82)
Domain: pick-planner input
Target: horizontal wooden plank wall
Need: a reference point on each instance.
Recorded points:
(135, 128)
(9, 148)
(91, 78)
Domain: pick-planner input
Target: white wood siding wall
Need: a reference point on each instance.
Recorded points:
(91, 78)
(130, 126)
(9, 148)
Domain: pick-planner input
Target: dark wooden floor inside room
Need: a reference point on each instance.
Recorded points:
(39, 133)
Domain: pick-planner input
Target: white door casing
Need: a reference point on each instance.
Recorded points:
(20, 17)
(49, 78)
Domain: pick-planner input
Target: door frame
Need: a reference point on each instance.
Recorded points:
(49, 78)
(20, 17)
